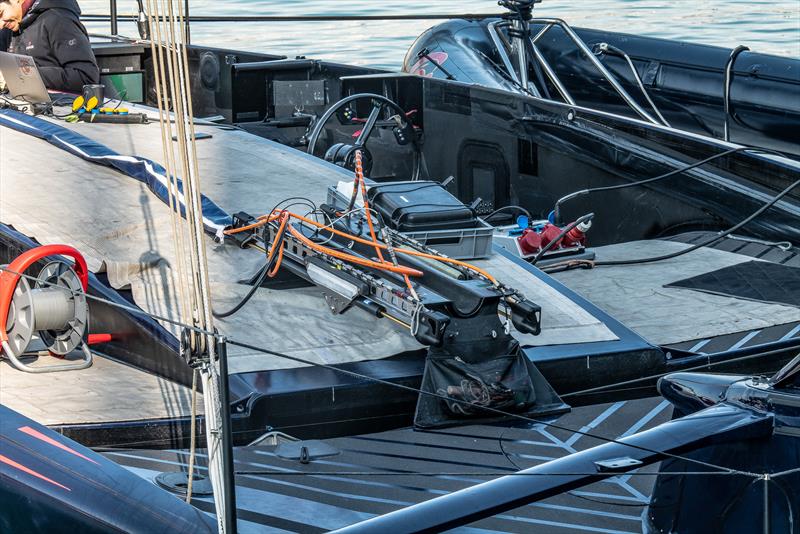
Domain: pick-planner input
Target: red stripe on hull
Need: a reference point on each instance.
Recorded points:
(16, 465)
(38, 435)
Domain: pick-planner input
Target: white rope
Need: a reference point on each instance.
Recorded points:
(172, 86)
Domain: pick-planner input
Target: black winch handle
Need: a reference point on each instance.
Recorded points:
(130, 118)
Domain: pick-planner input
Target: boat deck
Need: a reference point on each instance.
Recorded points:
(81, 404)
(125, 232)
(379, 473)
(645, 299)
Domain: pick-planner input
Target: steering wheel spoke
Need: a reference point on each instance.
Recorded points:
(369, 126)
(341, 153)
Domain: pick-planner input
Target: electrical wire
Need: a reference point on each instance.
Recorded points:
(707, 242)
(268, 270)
(506, 208)
(265, 219)
(567, 229)
(383, 266)
(409, 252)
(680, 170)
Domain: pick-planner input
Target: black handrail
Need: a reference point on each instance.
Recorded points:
(113, 17)
(93, 17)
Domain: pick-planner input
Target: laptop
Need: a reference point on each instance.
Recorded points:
(22, 78)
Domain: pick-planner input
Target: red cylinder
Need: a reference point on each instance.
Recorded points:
(530, 242)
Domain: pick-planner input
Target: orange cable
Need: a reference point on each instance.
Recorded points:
(359, 182)
(284, 221)
(353, 259)
(262, 220)
(400, 250)
(265, 219)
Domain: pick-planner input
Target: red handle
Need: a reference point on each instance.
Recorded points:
(10, 276)
(96, 339)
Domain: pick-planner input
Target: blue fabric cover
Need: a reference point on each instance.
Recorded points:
(215, 219)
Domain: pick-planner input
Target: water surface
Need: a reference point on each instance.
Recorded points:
(765, 26)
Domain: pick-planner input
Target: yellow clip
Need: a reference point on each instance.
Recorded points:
(91, 103)
(78, 103)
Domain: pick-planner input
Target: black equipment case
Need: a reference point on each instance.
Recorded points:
(420, 206)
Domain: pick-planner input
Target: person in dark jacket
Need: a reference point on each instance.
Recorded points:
(5, 39)
(50, 31)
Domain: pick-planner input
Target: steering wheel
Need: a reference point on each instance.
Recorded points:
(343, 154)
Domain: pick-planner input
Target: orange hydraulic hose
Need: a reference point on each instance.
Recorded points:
(350, 258)
(400, 250)
(262, 220)
(284, 221)
(360, 183)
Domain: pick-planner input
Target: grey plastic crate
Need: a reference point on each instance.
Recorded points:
(464, 244)
(459, 244)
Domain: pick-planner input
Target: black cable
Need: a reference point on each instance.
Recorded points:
(262, 275)
(264, 271)
(484, 408)
(506, 208)
(720, 235)
(412, 190)
(680, 170)
(565, 231)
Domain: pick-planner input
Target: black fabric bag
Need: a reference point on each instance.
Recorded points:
(502, 383)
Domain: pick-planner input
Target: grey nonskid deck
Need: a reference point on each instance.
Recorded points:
(409, 467)
(105, 392)
(635, 294)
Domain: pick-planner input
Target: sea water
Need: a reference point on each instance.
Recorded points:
(765, 26)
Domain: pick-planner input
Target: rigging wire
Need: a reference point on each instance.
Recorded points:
(607, 388)
(479, 407)
(489, 474)
(95, 17)
(395, 385)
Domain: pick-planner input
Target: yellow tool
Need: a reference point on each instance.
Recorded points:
(91, 103)
(78, 103)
